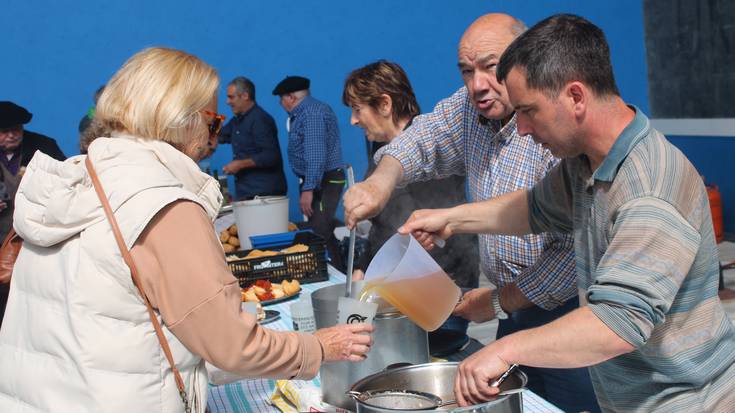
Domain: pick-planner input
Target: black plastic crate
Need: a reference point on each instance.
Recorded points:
(307, 267)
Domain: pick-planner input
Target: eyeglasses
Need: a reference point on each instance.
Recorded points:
(216, 124)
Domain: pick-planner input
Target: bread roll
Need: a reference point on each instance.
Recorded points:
(234, 241)
(232, 229)
(228, 248)
(291, 288)
(224, 236)
(259, 253)
(295, 248)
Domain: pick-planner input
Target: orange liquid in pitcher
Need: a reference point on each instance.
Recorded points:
(428, 301)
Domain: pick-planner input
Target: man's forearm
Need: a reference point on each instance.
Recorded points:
(246, 163)
(578, 339)
(512, 298)
(504, 215)
(389, 171)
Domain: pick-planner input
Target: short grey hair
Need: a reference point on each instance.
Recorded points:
(518, 27)
(244, 85)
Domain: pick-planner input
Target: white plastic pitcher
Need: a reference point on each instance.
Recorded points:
(405, 275)
(260, 216)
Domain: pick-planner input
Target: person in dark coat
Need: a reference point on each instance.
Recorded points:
(18, 144)
(17, 147)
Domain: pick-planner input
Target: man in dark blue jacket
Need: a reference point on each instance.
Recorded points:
(257, 164)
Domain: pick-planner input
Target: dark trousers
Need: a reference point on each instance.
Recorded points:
(568, 389)
(324, 204)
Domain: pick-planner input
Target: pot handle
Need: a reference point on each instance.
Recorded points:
(397, 365)
(354, 394)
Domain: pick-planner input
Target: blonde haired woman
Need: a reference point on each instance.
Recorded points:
(77, 335)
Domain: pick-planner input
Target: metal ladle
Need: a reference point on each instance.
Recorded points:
(496, 383)
(353, 233)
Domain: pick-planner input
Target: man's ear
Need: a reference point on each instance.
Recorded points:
(578, 96)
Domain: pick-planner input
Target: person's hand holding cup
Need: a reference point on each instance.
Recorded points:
(350, 338)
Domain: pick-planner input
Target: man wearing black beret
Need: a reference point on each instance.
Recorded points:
(315, 155)
(17, 144)
(17, 147)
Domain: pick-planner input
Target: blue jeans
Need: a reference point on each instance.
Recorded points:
(568, 389)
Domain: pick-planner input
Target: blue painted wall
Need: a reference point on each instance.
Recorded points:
(55, 54)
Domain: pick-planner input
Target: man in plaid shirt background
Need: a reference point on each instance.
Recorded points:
(315, 155)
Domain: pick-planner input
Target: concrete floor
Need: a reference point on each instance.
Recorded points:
(485, 332)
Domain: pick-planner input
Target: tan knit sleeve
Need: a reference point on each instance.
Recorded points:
(185, 276)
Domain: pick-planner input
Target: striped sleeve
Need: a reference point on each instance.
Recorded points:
(651, 250)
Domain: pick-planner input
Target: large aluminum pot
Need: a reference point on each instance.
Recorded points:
(396, 340)
(438, 379)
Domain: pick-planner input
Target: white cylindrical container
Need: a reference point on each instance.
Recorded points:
(302, 314)
(260, 216)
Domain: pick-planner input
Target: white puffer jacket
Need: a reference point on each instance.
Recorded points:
(76, 335)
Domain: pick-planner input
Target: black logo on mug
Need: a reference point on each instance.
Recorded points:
(355, 318)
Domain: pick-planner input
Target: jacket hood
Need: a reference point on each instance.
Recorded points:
(56, 200)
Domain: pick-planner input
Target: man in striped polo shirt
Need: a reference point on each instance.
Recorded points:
(473, 133)
(652, 328)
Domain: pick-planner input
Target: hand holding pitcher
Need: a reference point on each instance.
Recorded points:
(426, 225)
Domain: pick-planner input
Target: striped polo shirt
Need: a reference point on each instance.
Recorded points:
(648, 267)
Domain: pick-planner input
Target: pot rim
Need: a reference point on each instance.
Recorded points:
(500, 399)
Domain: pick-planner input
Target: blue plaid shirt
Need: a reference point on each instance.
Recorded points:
(313, 142)
(454, 139)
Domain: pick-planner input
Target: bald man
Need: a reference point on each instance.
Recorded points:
(473, 132)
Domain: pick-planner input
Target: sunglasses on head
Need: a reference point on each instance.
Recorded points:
(215, 124)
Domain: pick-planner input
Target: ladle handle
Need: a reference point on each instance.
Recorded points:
(353, 233)
(438, 241)
(502, 393)
(504, 376)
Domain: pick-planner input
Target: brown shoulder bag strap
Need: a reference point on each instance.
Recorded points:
(136, 280)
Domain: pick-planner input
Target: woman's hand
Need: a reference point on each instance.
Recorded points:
(345, 342)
